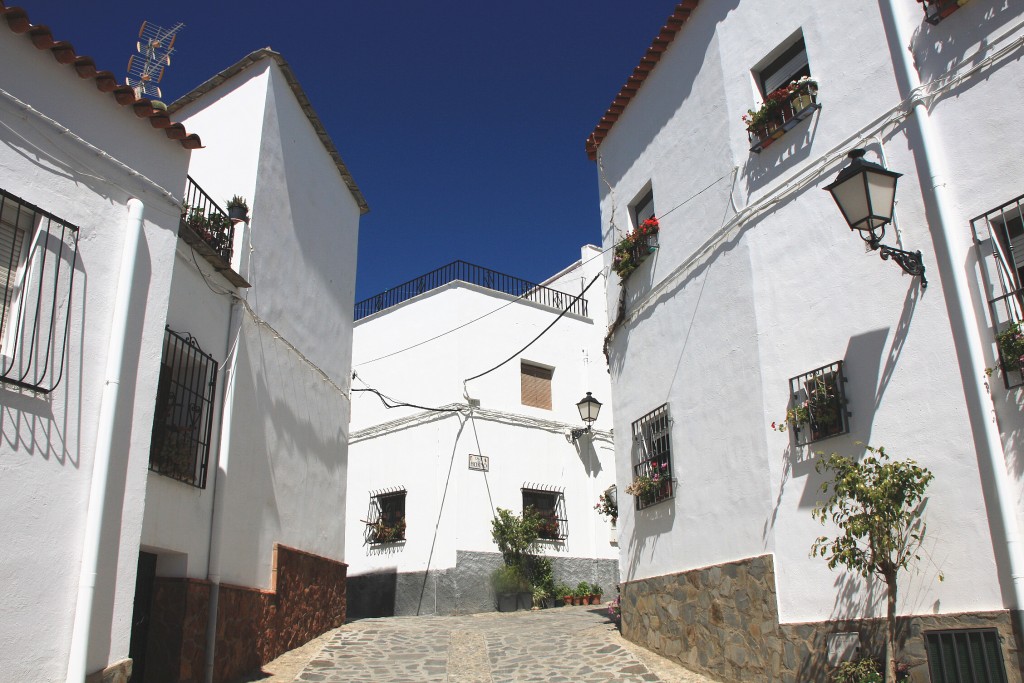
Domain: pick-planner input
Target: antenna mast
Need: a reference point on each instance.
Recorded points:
(154, 48)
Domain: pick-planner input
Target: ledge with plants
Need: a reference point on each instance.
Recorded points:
(937, 10)
(213, 227)
(635, 248)
(651, 488)
(382, 532)
(781, 111)
(819, 415)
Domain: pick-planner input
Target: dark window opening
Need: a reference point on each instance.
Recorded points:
(652, 448)
(550, 507)
(817, 406)
(789, 66)
(385, 522)
(967, 656)
(183, 420)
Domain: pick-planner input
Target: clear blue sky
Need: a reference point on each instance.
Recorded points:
(463, 123)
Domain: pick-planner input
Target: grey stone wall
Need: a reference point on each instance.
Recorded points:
(463, 589)
(724, 621)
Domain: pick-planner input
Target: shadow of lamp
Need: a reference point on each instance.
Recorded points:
(865, 193)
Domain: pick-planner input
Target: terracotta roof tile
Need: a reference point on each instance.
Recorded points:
(64, 52)
(650, 59)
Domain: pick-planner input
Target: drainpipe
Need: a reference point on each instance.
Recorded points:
(223, 450)
(957, 288)
(108, 414)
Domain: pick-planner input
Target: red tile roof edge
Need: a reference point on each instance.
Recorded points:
(661, 42)
(18, 21)
(300, 95)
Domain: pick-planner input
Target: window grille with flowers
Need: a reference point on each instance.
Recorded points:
(817, 406)
(999, 240)
(385, 520)
(652, 448)
(549, 504)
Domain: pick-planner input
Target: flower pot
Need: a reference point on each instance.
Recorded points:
(595, 599)
(507, 602)
(237, 213)
(567, 600)
(525, 600)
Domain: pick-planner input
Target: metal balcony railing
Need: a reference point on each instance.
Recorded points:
(475, 275)
(208, 221)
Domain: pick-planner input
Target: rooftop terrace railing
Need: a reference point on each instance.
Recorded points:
(474, 275)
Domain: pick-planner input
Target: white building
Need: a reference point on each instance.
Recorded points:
(419, 466)
(268, 528)
(758, 289)
(176, 412)
(88, 230)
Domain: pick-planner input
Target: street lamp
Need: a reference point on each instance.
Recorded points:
(866, 193)
(589, 408)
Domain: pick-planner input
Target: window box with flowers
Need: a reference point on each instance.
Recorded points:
(652, 445)
(385, 521)
(635, 248)
(937, 10)
(782, 110)
(817, 408)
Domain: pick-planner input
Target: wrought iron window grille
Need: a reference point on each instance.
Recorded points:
(818, 404)
(549, 503)
(38, 257)
(965, 656)
(999, 241)
(474, 275)
(385, 518)
(652, 453)
(937, 10)
(183, 420)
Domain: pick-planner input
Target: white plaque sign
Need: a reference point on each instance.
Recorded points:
(480, 463)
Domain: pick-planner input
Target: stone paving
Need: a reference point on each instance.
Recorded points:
(562, 645)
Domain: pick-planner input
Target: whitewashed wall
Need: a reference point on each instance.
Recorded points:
(792, 290)
(46, 456)
(282, 458)
(524, 444)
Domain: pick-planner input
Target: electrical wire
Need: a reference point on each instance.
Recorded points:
(394, 403)
(543, 332)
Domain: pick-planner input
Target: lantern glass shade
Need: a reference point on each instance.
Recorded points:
(589, 408)
(865, 193)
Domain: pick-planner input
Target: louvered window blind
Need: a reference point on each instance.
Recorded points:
(536, 386)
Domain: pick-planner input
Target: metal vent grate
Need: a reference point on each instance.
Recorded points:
(968, 656)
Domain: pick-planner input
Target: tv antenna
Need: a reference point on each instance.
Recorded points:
(154, 48)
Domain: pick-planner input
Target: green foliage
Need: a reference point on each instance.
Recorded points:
(515, 536)
(508, 579)
(877, 506)
(859, 671)
(541, 574)
(237, 200)
(1011, 346)
(596, 589)
(561, 590)
(582, 589)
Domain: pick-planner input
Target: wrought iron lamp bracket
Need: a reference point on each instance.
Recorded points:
(909, 261)
(574, 435)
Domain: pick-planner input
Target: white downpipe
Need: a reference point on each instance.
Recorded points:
(80, 637)
(217, 512)
(955, 282)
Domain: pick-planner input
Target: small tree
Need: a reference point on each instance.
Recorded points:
(877, 505)
(515, 536)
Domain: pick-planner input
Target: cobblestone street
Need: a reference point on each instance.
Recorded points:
(566, 644)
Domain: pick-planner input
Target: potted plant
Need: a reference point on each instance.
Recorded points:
(565, 592)
(646, 487)
(507, 582)
(238, 208)
(595, 594)
(615, 609)
(1011, 346)
(635, 247)
(582, 593)
(607, 506)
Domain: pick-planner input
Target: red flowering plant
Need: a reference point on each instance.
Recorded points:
(779, 105)
(635, 248)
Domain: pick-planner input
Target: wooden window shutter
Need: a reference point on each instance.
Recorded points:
(536, 386)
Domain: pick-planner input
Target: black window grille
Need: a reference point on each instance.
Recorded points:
(549, 504)
(385, 520)
(966, 656)
(999, 239)
(38, 255)
(817, 404)
(183, 419)
(652, 448)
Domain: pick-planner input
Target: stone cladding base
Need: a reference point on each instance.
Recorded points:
(308, 597)
(176, 644)
(724, 621)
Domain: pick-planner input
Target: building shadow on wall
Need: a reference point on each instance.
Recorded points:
(372, 594)
(648, 525)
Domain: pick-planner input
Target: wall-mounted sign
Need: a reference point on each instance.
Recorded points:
(480, 463)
